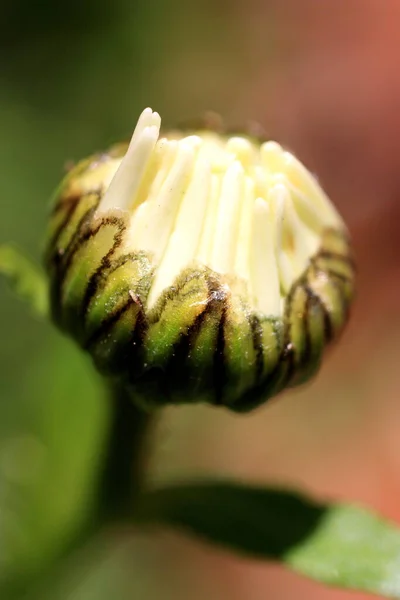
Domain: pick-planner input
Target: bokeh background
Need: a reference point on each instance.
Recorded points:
(323, 78)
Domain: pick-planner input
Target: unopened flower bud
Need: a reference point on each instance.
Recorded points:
(198, 267)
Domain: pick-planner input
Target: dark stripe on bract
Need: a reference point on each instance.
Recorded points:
(125, 354)
(60, 261)
(138, 334)
(219, 370)
(181, 348)
(288, 348)
(88, 233)
(141, 326)
(132, 365)
(307, 336)
(332, 273)
(105, 263)
(116, 264)
(336, 280)
(107, 324)
(258, 394)
(328, 254)
(171, 293)
(328, 327)
(336, 233)
(338, 285)
(339, 280)
(257, 336)
(135, 344)
(218, 301)
(82, 234)
(103, 277)
(73, 203)
(65, 199)
(175, 369)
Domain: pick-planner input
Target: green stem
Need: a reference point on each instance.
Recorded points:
(123, 468)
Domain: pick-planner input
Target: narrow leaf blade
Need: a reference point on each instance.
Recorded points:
(337, 544)
(26, 279)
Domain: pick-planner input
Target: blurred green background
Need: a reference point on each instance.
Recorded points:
(322, 78)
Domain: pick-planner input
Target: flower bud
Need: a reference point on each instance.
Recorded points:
(198, 267)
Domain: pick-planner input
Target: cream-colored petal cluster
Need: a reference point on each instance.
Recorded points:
(246, 210)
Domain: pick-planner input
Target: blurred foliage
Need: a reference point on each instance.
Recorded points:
(28, 281)
(61, 97)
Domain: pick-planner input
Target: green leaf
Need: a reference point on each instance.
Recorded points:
(26, 279)
(337, 544)
(53, 427)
